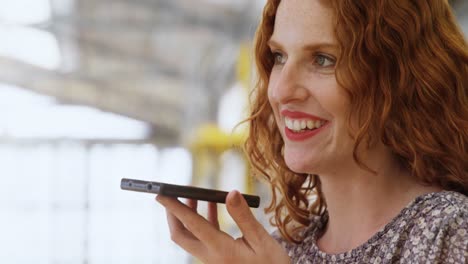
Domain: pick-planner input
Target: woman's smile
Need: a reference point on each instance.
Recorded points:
(300, 126)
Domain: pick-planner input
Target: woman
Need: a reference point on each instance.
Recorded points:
(360, 126)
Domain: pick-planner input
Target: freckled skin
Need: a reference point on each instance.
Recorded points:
(301, 84)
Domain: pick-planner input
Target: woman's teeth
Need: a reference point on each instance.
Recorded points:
(303, 124)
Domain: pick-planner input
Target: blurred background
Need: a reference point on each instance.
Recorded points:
(92, 91)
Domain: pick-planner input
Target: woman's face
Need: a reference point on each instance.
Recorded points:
(309, 107)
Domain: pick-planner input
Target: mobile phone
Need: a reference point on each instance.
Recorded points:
(190, 192)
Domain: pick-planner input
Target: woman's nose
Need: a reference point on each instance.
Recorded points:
(287, 85)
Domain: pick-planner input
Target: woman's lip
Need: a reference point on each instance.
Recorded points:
(296, 114)
(303, 135)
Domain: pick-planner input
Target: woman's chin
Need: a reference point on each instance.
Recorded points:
(299, 165)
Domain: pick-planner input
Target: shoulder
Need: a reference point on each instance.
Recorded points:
(315, 225)
(444, 209)
(307, 234)
(437, 228)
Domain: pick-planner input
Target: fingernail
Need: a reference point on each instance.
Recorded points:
(236, 200)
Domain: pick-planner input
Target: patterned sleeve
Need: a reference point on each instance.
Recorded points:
(442, 239)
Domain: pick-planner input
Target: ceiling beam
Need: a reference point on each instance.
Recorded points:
(152, 107)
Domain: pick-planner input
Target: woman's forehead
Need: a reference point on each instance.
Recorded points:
(304, 22)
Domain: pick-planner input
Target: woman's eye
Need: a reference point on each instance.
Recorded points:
(324, 61)
(279, 58)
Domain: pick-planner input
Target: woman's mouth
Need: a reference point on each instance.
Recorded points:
(302, 125)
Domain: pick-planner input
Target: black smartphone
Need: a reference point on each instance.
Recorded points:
(190, 192)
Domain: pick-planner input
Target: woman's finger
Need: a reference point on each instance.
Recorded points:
(192, 204)
(212, 211)
(176, 227)
(196, 224)
(213, 214)
(240, 212)
(181, 236)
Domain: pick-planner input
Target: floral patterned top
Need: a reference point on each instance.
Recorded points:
(431, 229)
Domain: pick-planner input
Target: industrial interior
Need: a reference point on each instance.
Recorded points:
(92, 91)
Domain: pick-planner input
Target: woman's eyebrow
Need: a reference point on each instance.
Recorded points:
(314, 46)
(272, 43)
(320, 45)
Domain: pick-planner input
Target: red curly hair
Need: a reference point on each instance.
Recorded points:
(404, 66)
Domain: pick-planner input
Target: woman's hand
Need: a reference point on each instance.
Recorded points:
(203, 239)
